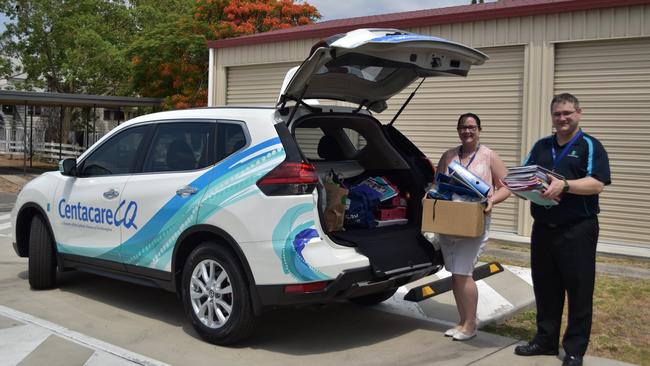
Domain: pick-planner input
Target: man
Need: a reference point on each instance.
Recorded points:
(564, 237)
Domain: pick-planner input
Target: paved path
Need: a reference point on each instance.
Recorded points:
(30, 341)
(603, 268)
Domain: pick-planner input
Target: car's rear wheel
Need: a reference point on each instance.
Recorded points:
(215, 295)
(373, 299)
(42, 257)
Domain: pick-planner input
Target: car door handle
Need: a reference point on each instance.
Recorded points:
(186, 191)
(111, 193)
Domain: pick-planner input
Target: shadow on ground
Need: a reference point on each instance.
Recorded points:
(306, 330)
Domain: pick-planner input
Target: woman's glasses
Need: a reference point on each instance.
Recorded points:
(467, 128)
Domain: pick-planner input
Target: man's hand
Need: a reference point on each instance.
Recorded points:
(554, 190)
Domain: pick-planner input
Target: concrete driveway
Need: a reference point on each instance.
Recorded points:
(93, 321)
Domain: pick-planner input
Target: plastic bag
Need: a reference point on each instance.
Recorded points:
(336, 197)
(361, 206)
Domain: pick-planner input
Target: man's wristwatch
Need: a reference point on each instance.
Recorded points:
(565, 189)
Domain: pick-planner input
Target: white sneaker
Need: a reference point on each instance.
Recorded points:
(451, 332)
(460, 336)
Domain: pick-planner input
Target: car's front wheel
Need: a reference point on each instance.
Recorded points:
(42, 257)
(215, 295)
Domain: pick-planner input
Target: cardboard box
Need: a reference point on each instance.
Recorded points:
(453, 218)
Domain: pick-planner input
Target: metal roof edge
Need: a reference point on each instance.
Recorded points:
(454, 14)
(46, 98)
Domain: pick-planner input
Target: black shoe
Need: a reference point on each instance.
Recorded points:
(572, 361)
(534, 349)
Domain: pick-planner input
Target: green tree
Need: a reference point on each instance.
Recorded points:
(169, 55)
(69, 46)
(169, 58)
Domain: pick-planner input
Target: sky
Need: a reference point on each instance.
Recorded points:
(330, 9)
(3, 20)
(357, 8)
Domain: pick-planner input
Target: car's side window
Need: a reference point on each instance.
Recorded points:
(231, 137)
(180, 146)
(117, 155)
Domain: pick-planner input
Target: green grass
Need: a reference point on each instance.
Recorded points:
(621, 320)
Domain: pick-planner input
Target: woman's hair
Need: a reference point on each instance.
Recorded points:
(464, 116)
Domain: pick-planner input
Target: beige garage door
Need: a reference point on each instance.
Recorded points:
(612, 81)
(494, 91)
(256, 84)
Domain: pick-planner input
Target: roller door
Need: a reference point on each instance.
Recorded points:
(494, 91)
(260, 85)
(612, 81)
(256, 84)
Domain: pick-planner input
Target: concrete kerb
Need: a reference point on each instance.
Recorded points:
(621, 250)
(500, 297)
(7, 201)
(6, 207)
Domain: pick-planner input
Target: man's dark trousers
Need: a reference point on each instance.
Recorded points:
(563, 258)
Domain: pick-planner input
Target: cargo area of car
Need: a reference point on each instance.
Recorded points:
(354, 149)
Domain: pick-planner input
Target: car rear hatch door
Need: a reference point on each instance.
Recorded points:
(368, 66)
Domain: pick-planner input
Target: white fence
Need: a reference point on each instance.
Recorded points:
(42, 150)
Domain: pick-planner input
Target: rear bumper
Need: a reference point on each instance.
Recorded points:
(351, 283)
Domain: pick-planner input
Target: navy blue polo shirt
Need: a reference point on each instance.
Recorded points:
(586, 158)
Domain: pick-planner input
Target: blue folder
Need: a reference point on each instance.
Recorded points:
(458, 189)
(468, 178)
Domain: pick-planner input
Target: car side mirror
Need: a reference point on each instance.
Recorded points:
(68, 167)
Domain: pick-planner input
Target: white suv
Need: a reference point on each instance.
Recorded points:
(225, 205)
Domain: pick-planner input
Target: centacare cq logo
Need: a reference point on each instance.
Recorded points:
(124, 215)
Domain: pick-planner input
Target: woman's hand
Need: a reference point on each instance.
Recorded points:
(488, 207)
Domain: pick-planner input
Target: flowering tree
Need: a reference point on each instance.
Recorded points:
(169, 59)
(242, 17)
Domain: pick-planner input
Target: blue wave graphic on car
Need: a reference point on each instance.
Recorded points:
(296, 236)
(230, 181)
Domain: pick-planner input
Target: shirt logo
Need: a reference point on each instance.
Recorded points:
(573, 154)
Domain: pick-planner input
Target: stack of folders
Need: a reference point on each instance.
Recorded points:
(460, 182)
(528, 182)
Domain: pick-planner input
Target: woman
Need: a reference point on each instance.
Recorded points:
(460, 254)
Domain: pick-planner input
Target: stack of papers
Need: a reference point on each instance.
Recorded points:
(528, 182)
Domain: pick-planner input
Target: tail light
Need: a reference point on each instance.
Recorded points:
(306, 287)
(289, 178)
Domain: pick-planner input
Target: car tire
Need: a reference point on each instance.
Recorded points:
(373, 299)
(215, 295)
(42, 257)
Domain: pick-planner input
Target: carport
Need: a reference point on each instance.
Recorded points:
(30, 100)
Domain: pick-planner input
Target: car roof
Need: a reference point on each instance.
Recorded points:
(234, 112)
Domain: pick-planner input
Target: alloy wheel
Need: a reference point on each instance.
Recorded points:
(211, 294)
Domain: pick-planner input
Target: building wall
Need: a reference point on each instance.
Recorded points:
(538, 37)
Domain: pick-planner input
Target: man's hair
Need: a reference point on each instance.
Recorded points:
(565, 98)
(463, 117)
